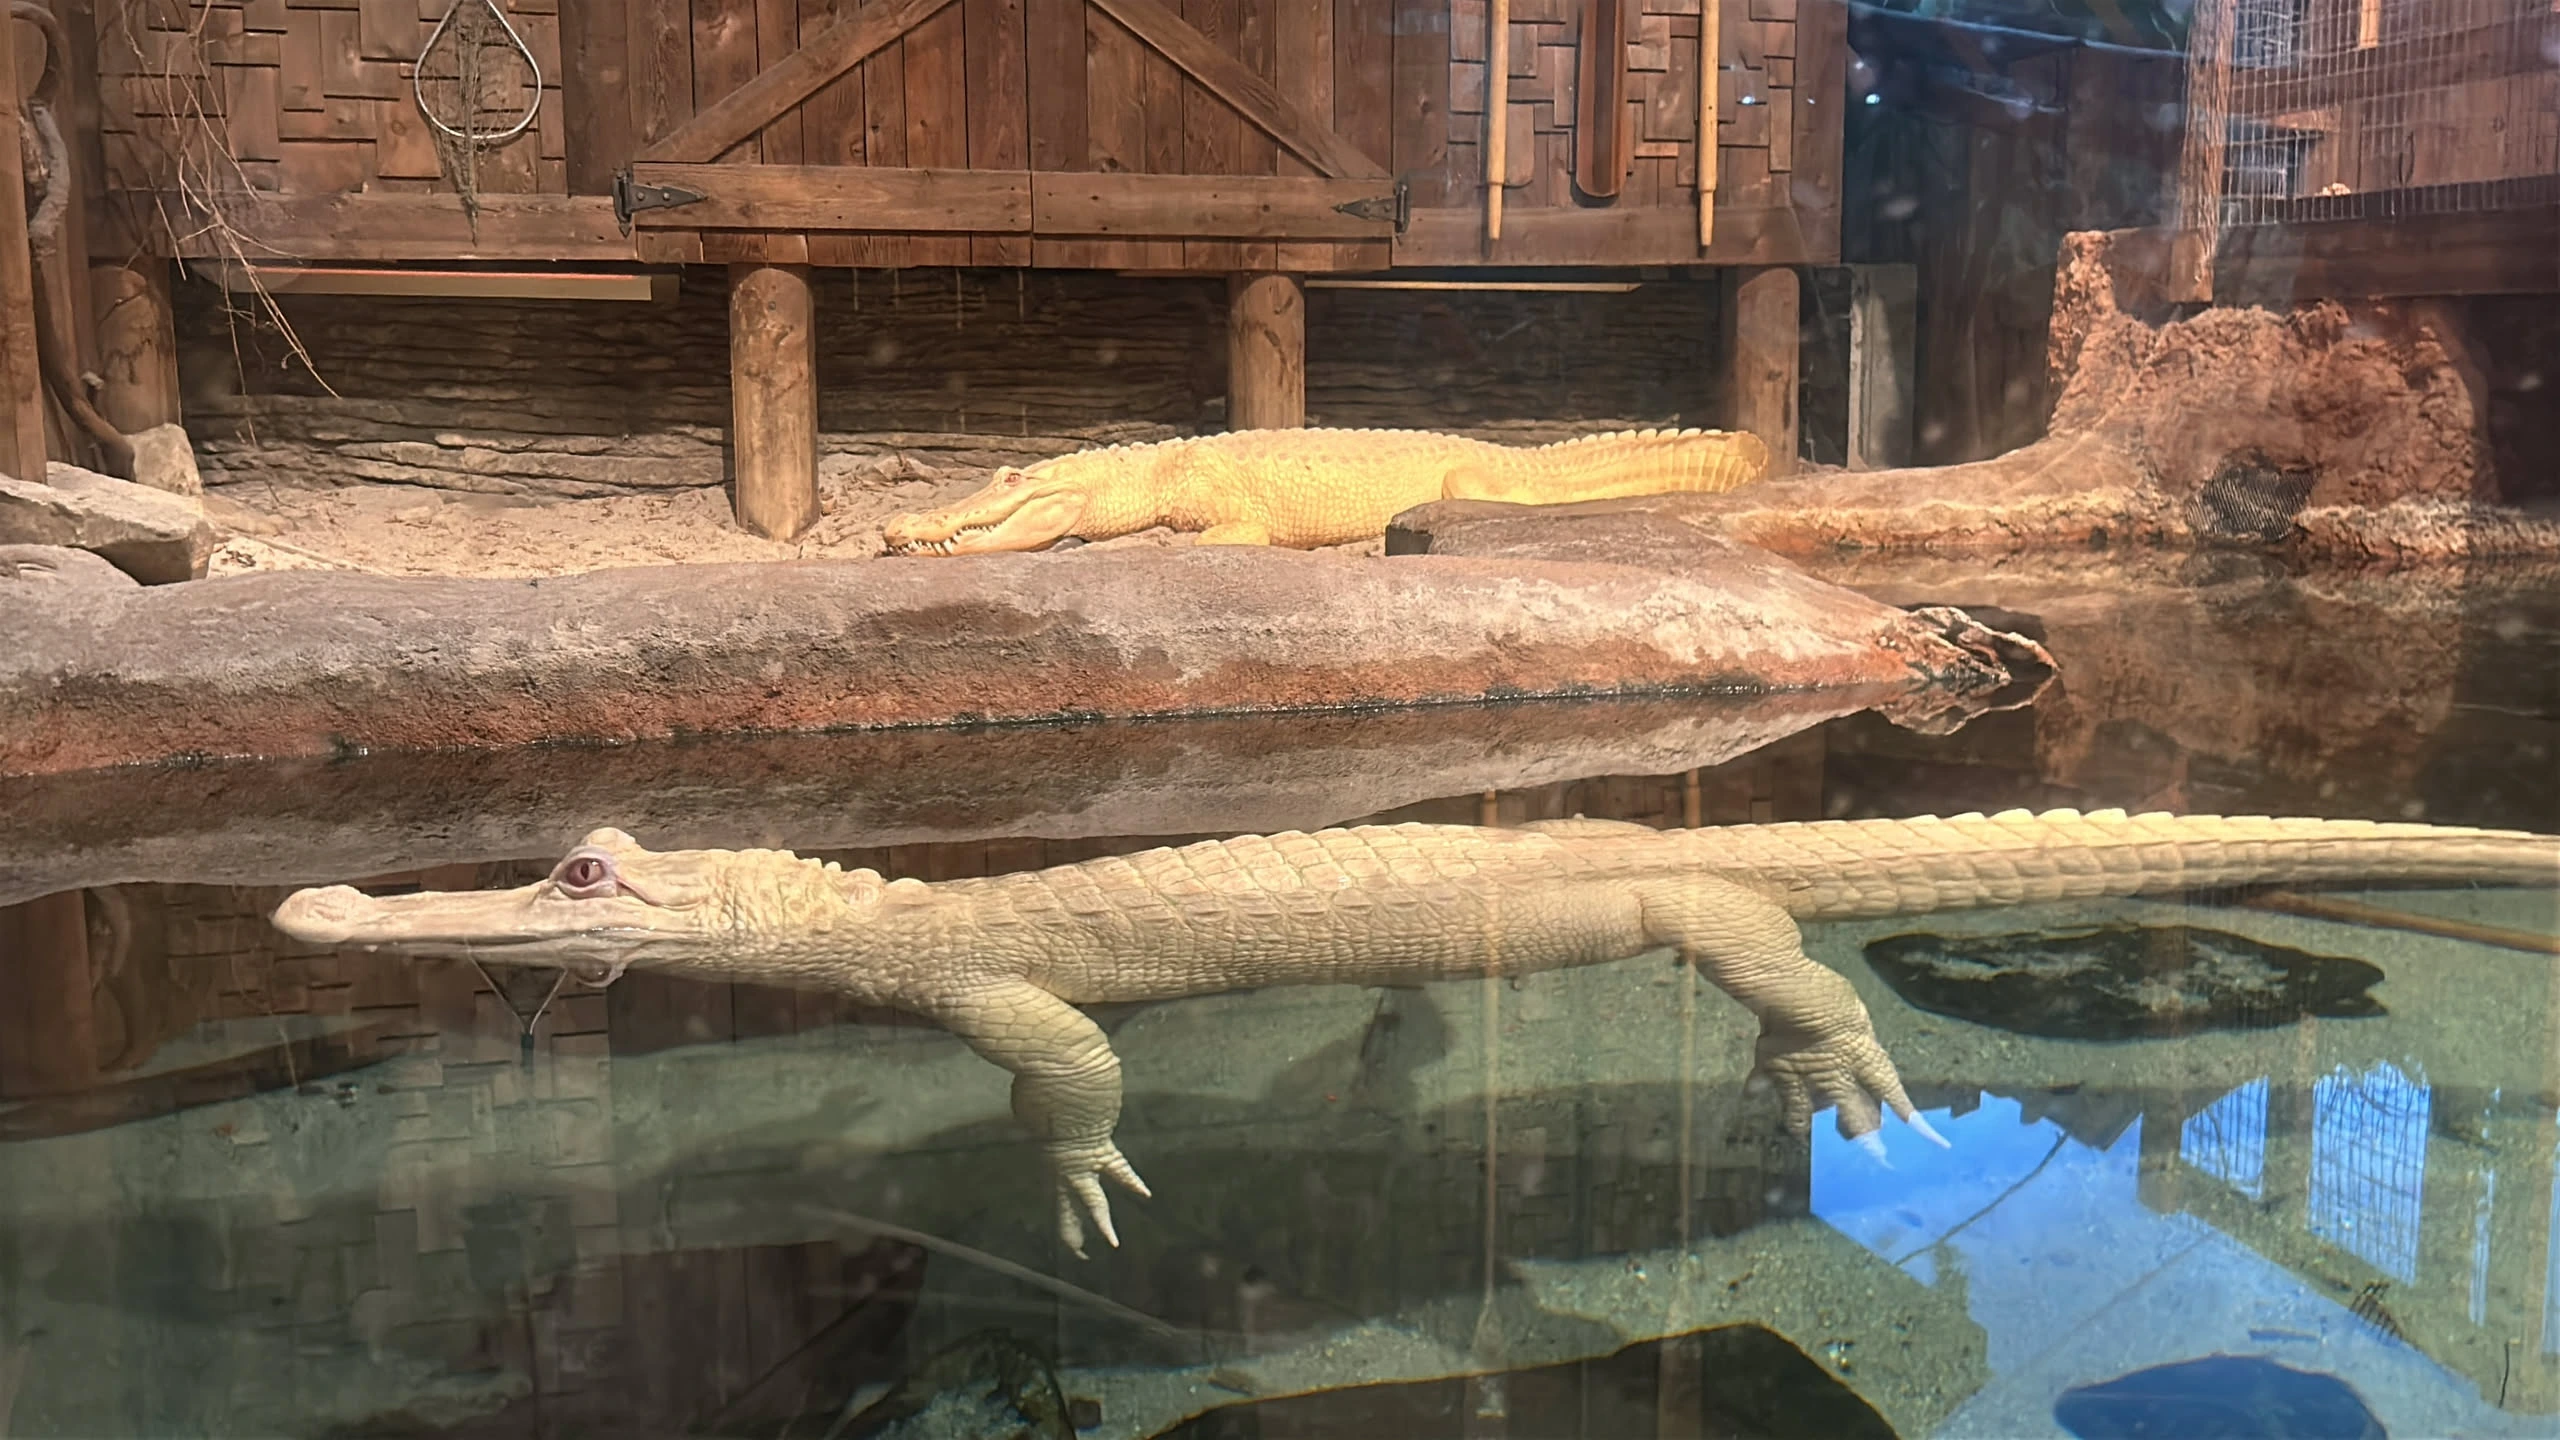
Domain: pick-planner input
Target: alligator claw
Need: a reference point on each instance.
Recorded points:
(1846, 1070)
(1080, 1193)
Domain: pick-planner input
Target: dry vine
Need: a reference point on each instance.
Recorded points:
(196, 190)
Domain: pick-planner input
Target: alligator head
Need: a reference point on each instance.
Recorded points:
(608, 905)
(1019, 510)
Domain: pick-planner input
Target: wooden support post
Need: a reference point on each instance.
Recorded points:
(22, 451)
(1884, 313)
(1266, 352)
(137, 344)
(2210, 30)
(1760, 352)
(773, 399)
(1601, 148)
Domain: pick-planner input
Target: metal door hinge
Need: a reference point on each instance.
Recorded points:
(1382, 209)
(631, 197)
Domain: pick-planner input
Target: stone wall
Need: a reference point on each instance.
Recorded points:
(962, 369)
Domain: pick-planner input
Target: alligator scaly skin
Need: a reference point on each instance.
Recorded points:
(1003, 961)
(1305, 488)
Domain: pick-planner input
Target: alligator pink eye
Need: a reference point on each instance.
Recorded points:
(585, 875)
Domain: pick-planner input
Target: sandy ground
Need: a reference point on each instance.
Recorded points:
(407, 530)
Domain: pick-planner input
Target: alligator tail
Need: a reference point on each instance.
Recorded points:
(1843, 869)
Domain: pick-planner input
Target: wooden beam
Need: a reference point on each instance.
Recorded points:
(2491, 252)
(1245, 207)
(1266, 352)
(22, 450)
(840, 197)
(1759, 320)
(1614, 235)
(766, 98)
(1228, 78)
(773, 399)
(137, 344)
(379, 226)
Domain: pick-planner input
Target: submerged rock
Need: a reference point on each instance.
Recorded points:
(2121, 982)
(2219, 1397)
(986, 1386)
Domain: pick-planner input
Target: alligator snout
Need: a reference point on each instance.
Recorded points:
(326, 916)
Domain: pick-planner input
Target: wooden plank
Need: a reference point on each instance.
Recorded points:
(1116, 121)
(777, 35)
(724, 59)
(1212, 130)
(1261, 207)
(1421, 99)
(1056, 72)
(661, 40)
(1759, 321)
(831, 120)
(840, 197)
(938, 114)
(1364, 74)
(1601, 136)
(998, 100)
(386, 226)
(1666, 235)
(1266, 353)
(773, 399)
(749, 108)
(1822, 79)
(1254, 97)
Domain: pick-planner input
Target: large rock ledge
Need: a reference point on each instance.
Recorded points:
(319, 663)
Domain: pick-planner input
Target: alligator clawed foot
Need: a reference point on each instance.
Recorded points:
(1080, 1173)
(1846, 1071)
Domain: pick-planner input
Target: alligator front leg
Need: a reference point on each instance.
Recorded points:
(1816, 1042)
(1066, 1090)
(1236, 532)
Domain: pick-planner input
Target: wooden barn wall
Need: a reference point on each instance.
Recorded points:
(313, 97)
(308, 96)
(963, 369)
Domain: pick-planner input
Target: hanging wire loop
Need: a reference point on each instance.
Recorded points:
(468, 135)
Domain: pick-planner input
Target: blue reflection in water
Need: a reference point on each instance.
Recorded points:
(2228, 1139)
(2369, 1165)
(2076, 1282)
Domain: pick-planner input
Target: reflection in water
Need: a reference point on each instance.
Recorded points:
(274, 1190)
(2369, 1165)
(2228, 1139)
(2221, 1397)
